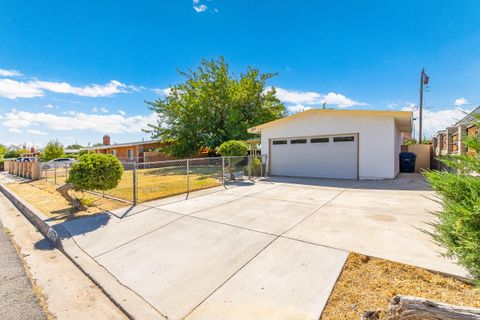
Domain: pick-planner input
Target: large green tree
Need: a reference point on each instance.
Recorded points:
(54, 149)
(213, 106)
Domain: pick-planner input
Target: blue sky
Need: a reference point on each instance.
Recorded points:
(77, 70)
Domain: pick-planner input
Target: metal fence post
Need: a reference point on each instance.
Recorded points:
(188, 176)
(134, 175)
(249, 167)
(261, 166)
(223, 171)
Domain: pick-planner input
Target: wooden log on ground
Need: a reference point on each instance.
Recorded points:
(413, 308)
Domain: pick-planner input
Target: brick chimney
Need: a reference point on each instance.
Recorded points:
(106, 140)
(32, 150)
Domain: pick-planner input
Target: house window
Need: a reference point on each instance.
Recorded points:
(279, 142)
(130, 154)
(343, 139)
(298, 141)
(319, 140)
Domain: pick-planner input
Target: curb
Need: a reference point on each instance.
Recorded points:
(91, 269)
(45, 229)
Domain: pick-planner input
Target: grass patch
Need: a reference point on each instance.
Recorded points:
(370, 283)
(157, 183)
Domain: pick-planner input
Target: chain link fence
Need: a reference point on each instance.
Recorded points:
(54, 172)
(142, 182)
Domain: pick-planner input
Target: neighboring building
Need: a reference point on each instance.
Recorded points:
(141, 151)
(348, 144)
(450, 140)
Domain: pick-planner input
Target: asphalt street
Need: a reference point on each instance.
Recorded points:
(17, 299)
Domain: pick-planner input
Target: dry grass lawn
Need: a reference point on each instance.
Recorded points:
(157, 183)
(160, 183)
(370, 284)
(43, 196)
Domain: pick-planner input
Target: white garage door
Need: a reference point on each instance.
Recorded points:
(332, 156)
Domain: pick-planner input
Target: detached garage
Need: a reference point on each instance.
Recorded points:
(343, 144)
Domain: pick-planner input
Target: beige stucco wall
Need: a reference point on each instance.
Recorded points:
(423, 156)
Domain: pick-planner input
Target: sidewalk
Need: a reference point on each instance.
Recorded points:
(68, 292)
(17, 299)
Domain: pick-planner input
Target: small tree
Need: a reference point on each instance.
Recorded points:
(458, 226)
(54, 149)
(92, 172)
(233, 148)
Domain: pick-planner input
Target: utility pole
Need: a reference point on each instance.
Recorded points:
(423, 81)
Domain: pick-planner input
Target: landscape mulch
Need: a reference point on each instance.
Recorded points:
(370, 283)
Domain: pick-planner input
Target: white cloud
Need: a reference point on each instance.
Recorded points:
(434, 121)
(15, 130)
(106, 123)
(104, 110)
(311, 98)
(9, 73)
(121, 112)
(94, 110)
(341, 101)
(37, 132)
(298, 108)
(461, 101)
(162, 92)
(13, 89)
(304, 97)
(51, 106)
(199, 7)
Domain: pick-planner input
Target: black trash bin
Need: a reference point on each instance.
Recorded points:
(407, 161)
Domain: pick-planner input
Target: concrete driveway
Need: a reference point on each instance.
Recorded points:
(272, 249)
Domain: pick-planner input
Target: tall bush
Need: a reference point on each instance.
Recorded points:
(233, 148)
(92, 172)
(458, 226)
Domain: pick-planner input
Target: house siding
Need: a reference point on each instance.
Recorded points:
(378, 135)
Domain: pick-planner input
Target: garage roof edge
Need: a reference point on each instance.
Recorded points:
(392, 113)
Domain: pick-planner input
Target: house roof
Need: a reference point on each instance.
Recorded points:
(469, 118)
(117, 145)
(403, 118)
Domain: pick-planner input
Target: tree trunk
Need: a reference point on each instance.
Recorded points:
(76, 204)
(413, 308)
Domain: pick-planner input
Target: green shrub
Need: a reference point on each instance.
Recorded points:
(256, 168)
(233, 148)
(458, 226)
(96, 172)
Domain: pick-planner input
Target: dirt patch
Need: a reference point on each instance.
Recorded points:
(370, 283)
(44, 197)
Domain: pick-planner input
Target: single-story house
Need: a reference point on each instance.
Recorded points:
(140, 151)
(346, 144)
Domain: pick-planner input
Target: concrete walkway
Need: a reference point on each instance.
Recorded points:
(272, 248)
